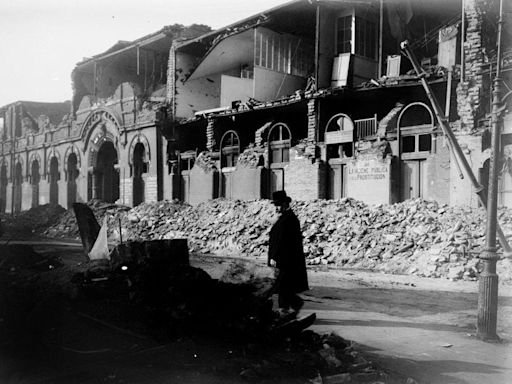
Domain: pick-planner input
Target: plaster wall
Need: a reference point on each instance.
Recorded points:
(304, 179)
(248, 183)
(194, 95)
(203, 185)
(369, 180)
(271, 85)
(462, 191)
(438, 173)
(235, 88)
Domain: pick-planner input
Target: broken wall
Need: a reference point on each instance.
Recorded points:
(462, 192)
(469, 91)
(248, 183)
(193, 95)
(305, 178)
(204, 185)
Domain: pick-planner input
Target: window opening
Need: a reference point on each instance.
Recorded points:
(230, 149)
(279, 141)
(344, 35)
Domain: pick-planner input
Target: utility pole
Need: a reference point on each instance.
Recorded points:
(488, 281)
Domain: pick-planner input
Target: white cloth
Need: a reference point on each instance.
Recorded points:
(100, 248)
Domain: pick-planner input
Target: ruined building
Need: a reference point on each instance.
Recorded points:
(313, 97)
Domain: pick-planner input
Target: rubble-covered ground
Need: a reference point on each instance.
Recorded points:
(60, 316)
(417, 237)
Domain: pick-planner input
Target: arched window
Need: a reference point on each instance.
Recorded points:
(279, 142)
(54, 179)
(339, 136)
(415, 124)
(18, 181)
(229, 149)
(139, 168)
(35, 178)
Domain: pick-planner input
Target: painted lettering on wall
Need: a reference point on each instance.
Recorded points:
(366, 171)
(368, 180)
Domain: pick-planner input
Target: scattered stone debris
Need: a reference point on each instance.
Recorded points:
(158, 294)
(33, 221)
(415, 237)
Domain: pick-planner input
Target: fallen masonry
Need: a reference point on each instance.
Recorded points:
(149, 288)
(416, 237)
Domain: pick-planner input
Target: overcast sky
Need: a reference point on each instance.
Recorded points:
(42, 40)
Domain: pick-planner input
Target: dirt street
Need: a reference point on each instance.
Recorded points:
(414, 327)
(419, 327)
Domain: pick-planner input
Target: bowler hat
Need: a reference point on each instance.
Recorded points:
(280, 197)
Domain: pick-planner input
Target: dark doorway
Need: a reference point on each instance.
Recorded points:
(72, 175)
(3, 188)
(106, 176)
(18, 180)
(54, 179)
(35, 178)
(139, 167)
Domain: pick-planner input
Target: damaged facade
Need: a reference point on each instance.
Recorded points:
(312, 97)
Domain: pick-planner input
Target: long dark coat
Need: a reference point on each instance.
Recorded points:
(285, 247)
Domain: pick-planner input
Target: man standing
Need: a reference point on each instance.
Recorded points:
(285, 249)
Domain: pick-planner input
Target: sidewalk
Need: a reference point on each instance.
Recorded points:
(421, 328)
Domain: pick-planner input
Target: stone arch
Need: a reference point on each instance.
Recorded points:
(17, 184)
(103, 176)
(53, 153)
(419, 106)
(54, 164)
(139, 168)
(35, 177)
(99, 125)
(142, 139)
(19, 160)
(72, 150)
(72, 172)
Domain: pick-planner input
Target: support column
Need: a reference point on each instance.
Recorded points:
(95, 185)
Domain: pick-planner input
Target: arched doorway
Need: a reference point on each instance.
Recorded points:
(18, 180)
(72, 174)
(279, 142)
(54, 179)
(415, 130)
(105, 180)
(229, 152)
(139, 167)
(339, 141)
(3, 187)
(35, 178)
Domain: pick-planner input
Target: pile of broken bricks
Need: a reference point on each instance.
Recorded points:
(415, 237)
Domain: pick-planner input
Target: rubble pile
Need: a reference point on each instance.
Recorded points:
(413, 237)
(66, 226)
(32, 221)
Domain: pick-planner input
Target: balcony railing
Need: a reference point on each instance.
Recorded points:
(366, 127)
